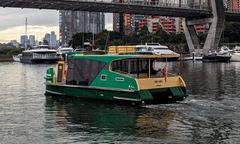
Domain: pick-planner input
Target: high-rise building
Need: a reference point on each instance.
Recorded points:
(32, 41)
(130, 21)
(133, 23)
(232, 5)
(116, 22)
(24, 39)
(53, 40)
(46, 39)
(72, 22)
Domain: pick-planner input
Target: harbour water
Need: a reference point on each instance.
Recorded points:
(209, 115)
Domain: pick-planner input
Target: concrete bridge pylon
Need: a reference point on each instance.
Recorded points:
(214, 34)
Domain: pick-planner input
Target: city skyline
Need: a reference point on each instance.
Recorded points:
(40, 22)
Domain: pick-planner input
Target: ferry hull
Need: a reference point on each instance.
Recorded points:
(38, 61)
(164, 95)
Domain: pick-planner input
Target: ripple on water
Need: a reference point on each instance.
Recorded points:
(209, 115)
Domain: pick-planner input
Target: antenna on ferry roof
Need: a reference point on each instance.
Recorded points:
(26, 37)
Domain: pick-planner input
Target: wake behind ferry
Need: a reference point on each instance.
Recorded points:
(127, 78)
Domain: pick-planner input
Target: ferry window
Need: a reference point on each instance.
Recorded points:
(103, 77)
(150, 49)
(83, 71)
(133, 66)
(120, 66)
(138, 68)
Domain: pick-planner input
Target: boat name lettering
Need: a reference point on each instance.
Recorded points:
(119, 79)
(158, 81)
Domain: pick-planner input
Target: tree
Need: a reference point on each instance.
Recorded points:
(79, 39)
(163, 36)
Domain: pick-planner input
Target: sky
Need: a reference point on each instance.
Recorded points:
(12, 23)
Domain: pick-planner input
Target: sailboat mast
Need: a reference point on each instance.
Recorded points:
(26, 36)
(93, 30)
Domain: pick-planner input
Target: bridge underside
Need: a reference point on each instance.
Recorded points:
(95, 6)
(234, 17)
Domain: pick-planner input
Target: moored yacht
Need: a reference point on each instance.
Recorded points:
(41, 54)
(214, 56)
(17, 58)
(235, 54)
(156, 49)
(62, 50)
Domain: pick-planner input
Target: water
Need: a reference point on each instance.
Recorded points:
(209, 115)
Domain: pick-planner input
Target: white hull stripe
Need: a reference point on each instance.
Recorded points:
(128, 99)
(54, 92)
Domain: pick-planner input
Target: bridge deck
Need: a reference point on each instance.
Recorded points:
(109, 7)
(142, 8)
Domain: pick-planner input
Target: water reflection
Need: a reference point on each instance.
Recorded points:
(206, 116)
(98, 117)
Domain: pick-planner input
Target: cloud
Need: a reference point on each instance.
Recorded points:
(108, 21)
(39, 22)
(11, 17)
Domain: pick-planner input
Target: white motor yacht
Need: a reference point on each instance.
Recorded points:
(17, 58)
(62, 50)
(156, 49)
(224, 50)
(235, 54)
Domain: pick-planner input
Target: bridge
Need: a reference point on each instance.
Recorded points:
(194, 12)
(144, 7)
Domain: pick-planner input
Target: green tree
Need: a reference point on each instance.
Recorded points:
(79, 38)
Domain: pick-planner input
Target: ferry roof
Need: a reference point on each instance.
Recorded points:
(110, 58)
(40, 50)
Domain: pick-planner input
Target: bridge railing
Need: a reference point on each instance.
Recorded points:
(157, 3)
(232, 10)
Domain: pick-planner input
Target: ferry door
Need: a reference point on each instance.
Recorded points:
(60, 71)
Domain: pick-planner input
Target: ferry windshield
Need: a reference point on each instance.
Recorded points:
(82, 71)
(138, 68)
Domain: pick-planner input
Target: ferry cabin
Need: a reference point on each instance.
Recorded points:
(116, 77)
(39, 56)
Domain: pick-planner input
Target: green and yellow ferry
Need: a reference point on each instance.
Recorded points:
(126, 78)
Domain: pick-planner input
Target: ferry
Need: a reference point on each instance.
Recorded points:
(125, 78)
(41, 54)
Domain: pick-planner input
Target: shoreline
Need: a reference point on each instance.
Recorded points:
(6, 59)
